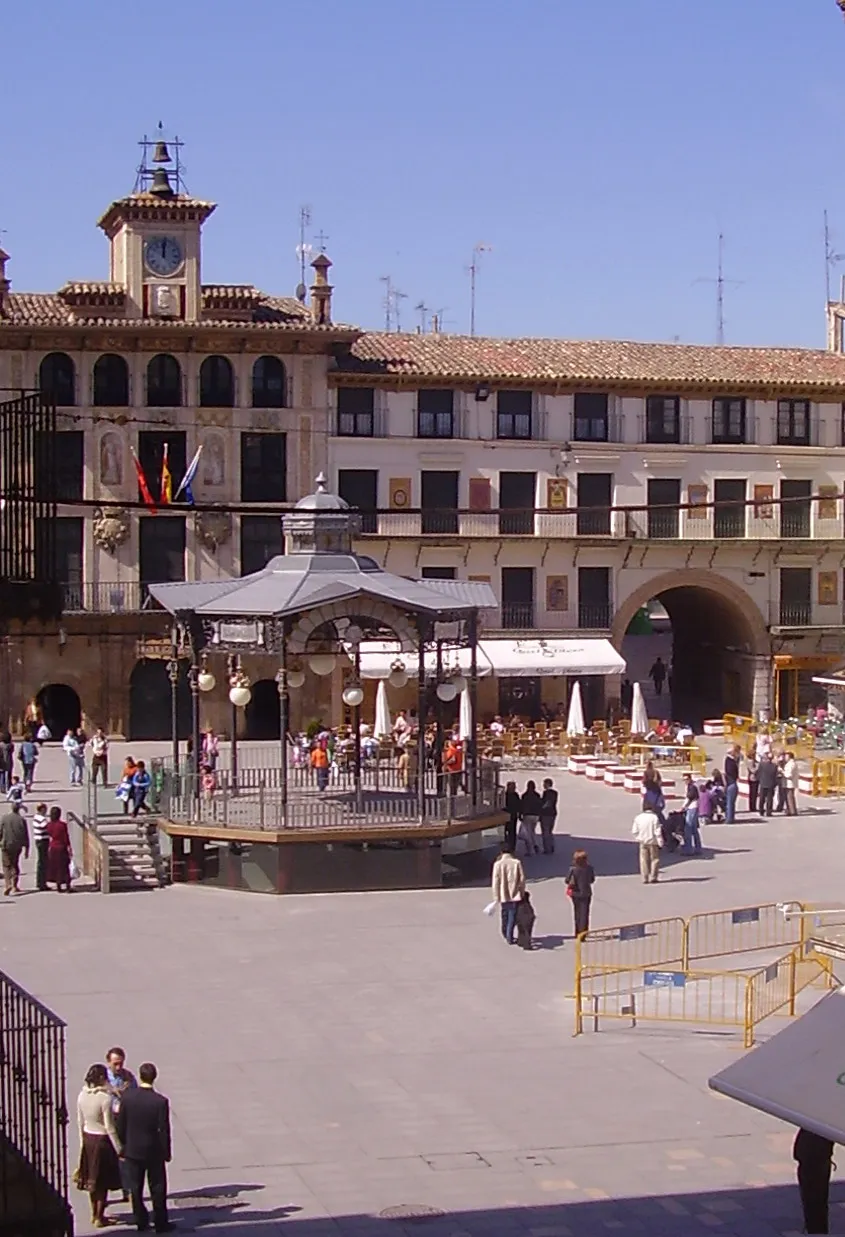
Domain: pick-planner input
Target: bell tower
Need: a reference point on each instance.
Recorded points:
(155, 237)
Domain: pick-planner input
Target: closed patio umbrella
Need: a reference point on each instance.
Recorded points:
(575, 720)
(639, 713)
(465, 716)
(383, 726)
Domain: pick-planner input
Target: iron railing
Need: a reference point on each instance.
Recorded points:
(28, 486)
(595, 615)
(33, 1118)
(796, 613)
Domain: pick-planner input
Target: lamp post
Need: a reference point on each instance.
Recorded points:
(283, 676)
(353, 696)
(173, 675)
(193, 683)
(239, 698)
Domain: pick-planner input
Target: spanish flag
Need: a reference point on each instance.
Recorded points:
(166, 479)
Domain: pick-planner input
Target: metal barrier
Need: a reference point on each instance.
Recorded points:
(681, 754)
(829, 776)
(33, 1117)
(707, 998)
(656, 942)
(744, 929)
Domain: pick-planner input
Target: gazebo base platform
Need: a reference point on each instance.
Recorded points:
(405, 856)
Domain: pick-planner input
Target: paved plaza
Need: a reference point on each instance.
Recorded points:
(332, 1057)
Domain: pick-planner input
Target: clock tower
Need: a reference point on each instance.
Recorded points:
(155, 237)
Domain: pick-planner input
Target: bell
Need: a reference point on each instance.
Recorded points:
(160, 184)
(161, 154)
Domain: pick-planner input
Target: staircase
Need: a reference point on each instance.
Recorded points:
(135, 861)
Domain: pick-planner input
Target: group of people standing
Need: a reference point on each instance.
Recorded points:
(124, 1140)
(51, 841)
(528, 810)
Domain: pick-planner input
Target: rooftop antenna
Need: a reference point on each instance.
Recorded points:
(477, 251)
(721, 284)
(439, 319)
(158, 165)
(322, 240)
(422, 309)
(303, 250)
(392, 303)
(831, 257)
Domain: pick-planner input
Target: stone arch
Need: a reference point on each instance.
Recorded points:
(730, 595)
(382, 613)
(60, 707)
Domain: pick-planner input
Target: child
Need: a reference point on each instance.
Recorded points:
(525, 920)
(209, 780)
(15, 792)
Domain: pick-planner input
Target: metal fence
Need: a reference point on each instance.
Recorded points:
(33, 1118)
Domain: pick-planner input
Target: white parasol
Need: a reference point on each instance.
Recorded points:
(383, 726)
(465, 716)
(575, 720)
(639, 713)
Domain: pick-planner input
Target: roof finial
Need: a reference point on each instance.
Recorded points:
(321, 482)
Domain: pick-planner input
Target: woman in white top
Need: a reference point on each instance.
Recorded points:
(99, 1165)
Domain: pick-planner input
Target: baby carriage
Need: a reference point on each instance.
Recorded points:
(673, 831)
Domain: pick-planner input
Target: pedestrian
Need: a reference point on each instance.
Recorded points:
(59, 853)
(731, 783)
(28, 755)
(530, 806)
(120, 1079)
(814, 1156)
(453, 763)
(16, 791)
(579, 887)
(125, 789)
(706, 804)
(99, 757)
(790, 778)
(649, 837)
(407, 765)
(767, 778)
(657, 674)
(6, 755)
(508, 885)
(143, 1127)
(525, 920)
(100, 1145)
(141, 783)
(14, 839)
(70, 746)
(780, 762)
(320, 765)
(692, 833)
(752, 764)
(512, 805)
(548, 816)
(41, 842)
(43, 734)
(626, 696)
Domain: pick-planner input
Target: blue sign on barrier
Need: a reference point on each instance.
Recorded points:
(664, 979)
(632, 932)
(771, 972)
(748, 914)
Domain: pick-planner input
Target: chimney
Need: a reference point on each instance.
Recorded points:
(321, 291)
(4, 282)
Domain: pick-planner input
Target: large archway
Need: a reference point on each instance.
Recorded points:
(261, 715)
(61, 708)
(150, 701)
(715, 643)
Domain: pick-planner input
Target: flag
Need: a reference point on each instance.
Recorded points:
(190, 473)
(142, 483)
(166, 479)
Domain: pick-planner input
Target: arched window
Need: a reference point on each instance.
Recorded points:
(269, 383)
(164, 382)
(57, 378)
(217, 383)
(111, 381)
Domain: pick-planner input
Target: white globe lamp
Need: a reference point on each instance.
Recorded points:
(353, 695)
(206, 681)
(321, 663)
(296, 679)
(398, 676)
(240, 695)
(446, 691)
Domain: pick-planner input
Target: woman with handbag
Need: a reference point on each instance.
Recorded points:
(59, 853)
(579, 887)
(99, 1163)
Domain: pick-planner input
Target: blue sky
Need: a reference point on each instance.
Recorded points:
(599, 147)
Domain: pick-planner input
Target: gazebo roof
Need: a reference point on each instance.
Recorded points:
(294, 583)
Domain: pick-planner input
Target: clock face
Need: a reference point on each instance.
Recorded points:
(163, 255)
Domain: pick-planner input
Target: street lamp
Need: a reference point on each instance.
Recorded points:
(398, 676)
(321, 664)
(173, 675)
(353, 696)
(239, 698)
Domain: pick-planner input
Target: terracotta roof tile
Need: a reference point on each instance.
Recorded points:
(97, 292)
(670, 367)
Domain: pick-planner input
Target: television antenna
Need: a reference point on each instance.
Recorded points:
(721, 283)
(473, 267)
(831, 257)
(303, 250)
(392, 304)
(422, 309)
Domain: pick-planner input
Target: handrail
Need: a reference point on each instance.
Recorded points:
(96, 857)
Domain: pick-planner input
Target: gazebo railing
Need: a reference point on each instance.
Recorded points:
(256, 801)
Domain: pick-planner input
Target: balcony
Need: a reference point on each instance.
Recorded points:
(595, 615)
(127, 597)
(517, 615)
(796, 613)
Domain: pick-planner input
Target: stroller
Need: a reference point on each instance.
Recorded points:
(673, 831)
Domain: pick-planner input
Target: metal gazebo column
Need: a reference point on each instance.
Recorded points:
(473, 705)
(421, 715)
(284, 700)
(356, 722)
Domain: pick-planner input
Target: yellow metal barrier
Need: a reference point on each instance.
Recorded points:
(704, 997)
(666, 753)
(743, 929)
(829, 776)
(652, 943)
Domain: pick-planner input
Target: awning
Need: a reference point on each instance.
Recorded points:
(799, 1074)
(520, 659)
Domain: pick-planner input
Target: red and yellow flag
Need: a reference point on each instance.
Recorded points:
(166, 479)
(142, 484)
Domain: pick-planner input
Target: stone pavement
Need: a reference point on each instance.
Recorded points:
(330, 1058)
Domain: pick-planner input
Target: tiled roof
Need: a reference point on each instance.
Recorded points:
(671, 367)
(68, 308)
(152, 205)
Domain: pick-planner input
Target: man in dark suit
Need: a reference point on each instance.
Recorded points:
(143, 1123)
